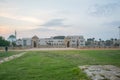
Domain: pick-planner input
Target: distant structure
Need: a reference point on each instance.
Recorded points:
(71, 41)
(12, 38)
(56, 41)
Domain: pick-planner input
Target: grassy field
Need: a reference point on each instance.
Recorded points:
(56, 65)
(4, 54)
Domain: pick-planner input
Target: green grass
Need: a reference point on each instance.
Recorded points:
(4, 54)
(56, 65)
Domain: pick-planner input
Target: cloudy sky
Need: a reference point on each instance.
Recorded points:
(45, 18)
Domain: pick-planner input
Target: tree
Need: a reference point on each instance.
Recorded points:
(108, 43)
(112, 41)
(90, 42)
(93, 39)
(99, 43)
(14, 44)
(3, 42)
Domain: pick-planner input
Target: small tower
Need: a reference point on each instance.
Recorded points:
(15, 34)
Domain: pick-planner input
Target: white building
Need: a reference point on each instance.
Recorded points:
(26, 42)
(53, 42)
(19, 42)
(43, 42)
(57, 41)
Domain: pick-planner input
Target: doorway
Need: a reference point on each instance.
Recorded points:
(35, 45)
(68, 44)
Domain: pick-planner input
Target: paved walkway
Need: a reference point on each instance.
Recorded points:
(11, 57)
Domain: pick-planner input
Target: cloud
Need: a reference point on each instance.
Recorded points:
(104, 9)
(40, 32)
(23, 18)
(42, 29)
(55, 23)
(2, 1)
(4, 29)
(112, 23)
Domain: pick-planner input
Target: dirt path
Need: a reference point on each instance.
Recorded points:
(39, 49)
(44, 49)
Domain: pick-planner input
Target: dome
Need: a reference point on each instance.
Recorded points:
(11, 36)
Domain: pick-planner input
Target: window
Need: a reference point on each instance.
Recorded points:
(24, 42)
(73, 40)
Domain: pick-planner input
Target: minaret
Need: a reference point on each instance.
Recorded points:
(15, 34)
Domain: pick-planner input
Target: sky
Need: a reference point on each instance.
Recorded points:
(46, 18)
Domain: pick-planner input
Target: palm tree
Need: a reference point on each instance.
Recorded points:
(99, 42)
(93, 42)
(112, 41)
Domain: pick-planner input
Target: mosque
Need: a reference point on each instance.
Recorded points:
(52, 42)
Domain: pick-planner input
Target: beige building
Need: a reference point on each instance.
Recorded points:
(35, 42)
(74, 41)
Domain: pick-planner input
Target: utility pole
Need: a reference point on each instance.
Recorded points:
(119, 36)
(119, 32)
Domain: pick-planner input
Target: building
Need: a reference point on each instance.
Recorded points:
(56, 42)
(35, 41)
(19, 42)
(74, 41)
(26, 42)
(11, 38)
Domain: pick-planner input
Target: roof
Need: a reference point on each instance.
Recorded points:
(59, 37)
(35, 37)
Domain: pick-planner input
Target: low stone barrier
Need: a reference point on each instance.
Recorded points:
(102, 72)
(11, 57)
